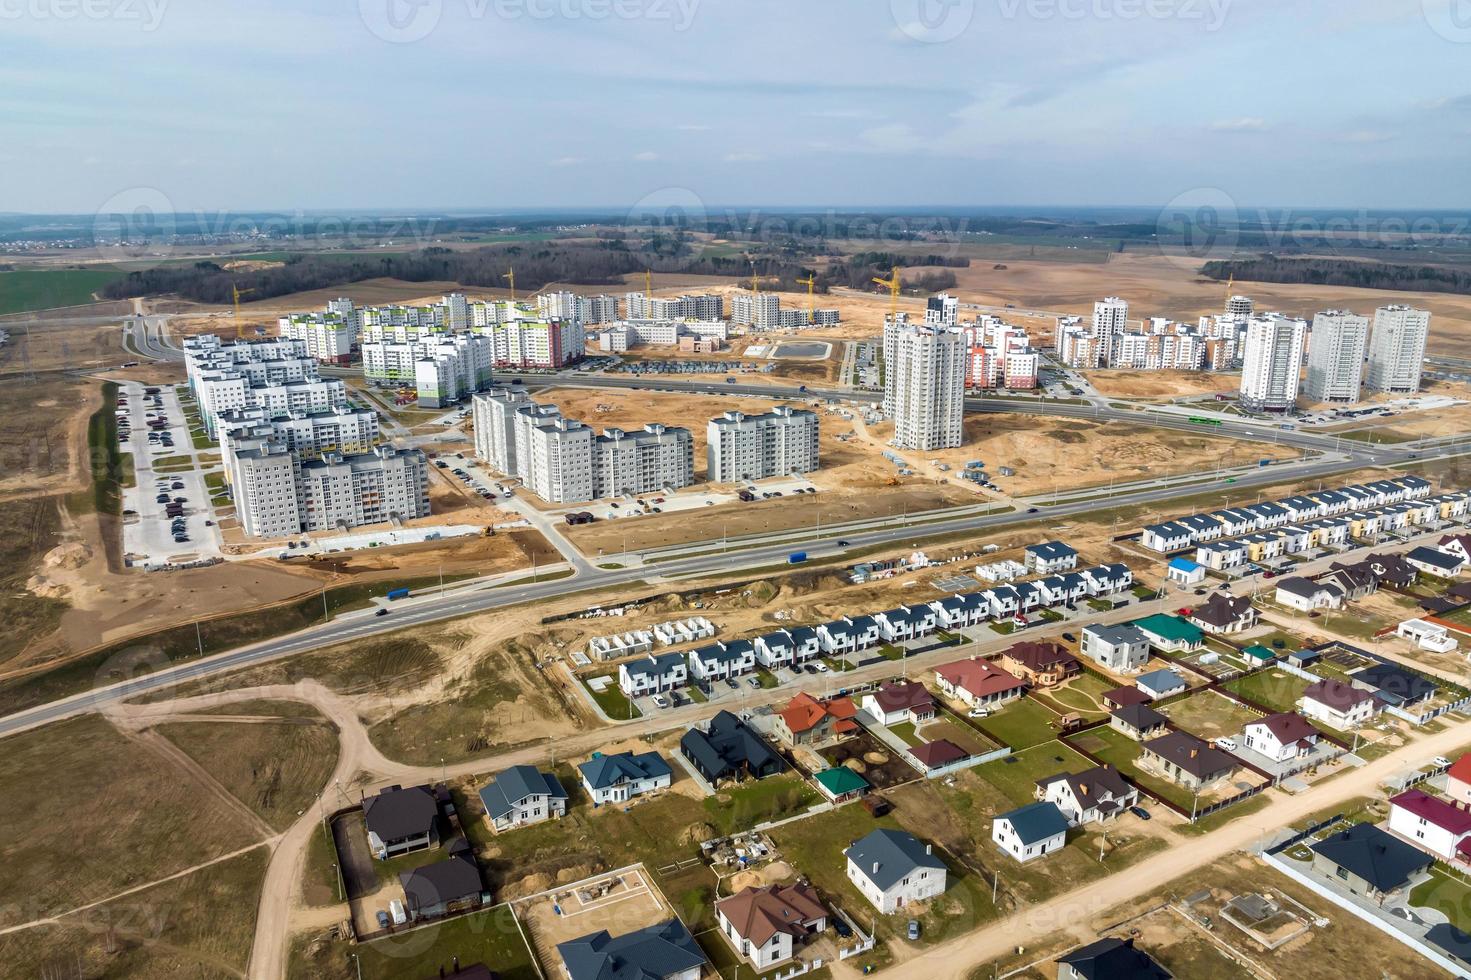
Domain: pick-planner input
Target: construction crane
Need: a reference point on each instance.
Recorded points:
(648, 282)
(235, 293)
(511, 276)
(810, 282)
(892, 285)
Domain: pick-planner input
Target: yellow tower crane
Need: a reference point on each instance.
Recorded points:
(892, 284)
(810, 282)
(511, 276)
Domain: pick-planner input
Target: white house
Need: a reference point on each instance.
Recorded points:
(1108, 579)
(765, 925)
(1119, 648)
(1305, 595)
(1094, 796)
(899, 701)
(1338, 705)
(1442, 564)
(1170, 536)
(1281, 737)
(523, 795)
(1456, 544)
(966, 609)
(978, 682)
(775, 649)
(1431, 824)
(1426, 635)
(1049, 557)
(720, 660)
(619, 778)
(1030, 832)
(1222, 556)
(1185, 573)
(649, 675)
(893, 869)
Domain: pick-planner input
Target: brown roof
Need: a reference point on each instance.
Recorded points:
(1040, 654)
(900, 695)
(1090, 786)
(1140, 717)
(760, 913)
(1126, 695)
(979, 677)
(1222, 609)
(1288, 726)
(940, 752)
(1189, 753)
(1336, 694)
(804, 712)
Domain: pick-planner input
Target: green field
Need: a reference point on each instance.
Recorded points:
(1271, 688)
(42, 289)
(490, 936)
(1121, 751)
(611, 699)
(1021, 724)
(1016, 775)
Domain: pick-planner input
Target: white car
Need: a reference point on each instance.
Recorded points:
(978, 713)
(660, 701)
(820, 666)
(1229, 744)
(1441, 762)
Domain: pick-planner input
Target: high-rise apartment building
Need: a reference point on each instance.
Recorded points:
(1272, 362)
(924, 383)
(1397, 349)
(1336, 357)
(751, 447)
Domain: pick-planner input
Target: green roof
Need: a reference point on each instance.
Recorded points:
(841, 781)
(1260, 652)
(1171, 628)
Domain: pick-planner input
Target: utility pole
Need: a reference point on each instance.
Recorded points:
(198, 638)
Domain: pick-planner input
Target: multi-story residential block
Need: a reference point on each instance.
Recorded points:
(329, 337)
(1272, 362)
(1110, 318)
(1240, 307)
(220, 392)
(924, 384)
(1336, 357)
(1397, 349)
(278, 494)
(494, 417)
(752, 447)
(640, 306)
(307, 434)
(759, 310)
(943, 310)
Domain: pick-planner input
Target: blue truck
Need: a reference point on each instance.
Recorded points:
(796, 558)
(397, 594)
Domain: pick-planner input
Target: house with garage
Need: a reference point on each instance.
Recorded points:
(1431, 824)
(665, 951)
(444, 887)
(1138, 721)
(1049, 557)
(806, 720)
(1170, 634)
(1162, 683)
(653, 674)
(1282, 737)
(729, 749)
(1110, 959)
(1186, 761)
(896, 702)
(1221, 556)
(1123, 648)
(977, 683)
(1121, 697)
(1223, 613)
(768, 925)
(774, 649)
(1338, 705)
(1005, 601)
(1096, 795)
(1390, 569)
(1167, 537)
(522, 795)
(400, 821)
(849, 634)
(718, 661)
(806, 643)
(905, 623)
(1370, 862)
(1441, 564)
(1305, 595)
(1030, 832)
(1354, 583)
(1041, 663)
(619, 778)
(893, 869)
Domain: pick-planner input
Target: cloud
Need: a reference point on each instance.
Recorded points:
(646, 156)
(693, 128)
(744, 156)
(894, 136)
(566, 161)
(1364, 136)
(1244, 124)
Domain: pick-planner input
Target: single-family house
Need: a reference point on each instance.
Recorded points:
(444, 887)
(1161, 683)
(1167, 537)
(1119, 648)
(1107, 579)
(1393, 684)
(1049, 557)
(653, 674)
(1171, 634)
(906, 623)
(1185, 573)
(1391, 569)
(400, 821)
(523, 795)
(720, 660)
(809, 721)
(937, 754)
(1041, 663)
(1338, 705)
(618, 778)
(1432, 824)
(978, 682)
(1031, 831)
(729, 749)
(1095, 795)
(1355, 583)
(1458, 545)
(1223, 612)
(1187, 761)
(806, 643)
(1110, 959)
(849, 634)
(775, 649)
(1221, 556)
(1368, 861)
(1441, 564)
(1305, 595)
(966, 609)
(900, 701)
(1121, 697)
(767, 925)
(665, 951)
(893, 869)
(1138, 721)
(1281, 737)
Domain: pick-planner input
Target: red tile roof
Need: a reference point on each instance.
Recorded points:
(903, 695)
(804, 712)
(1461, 769)
(980, 678)
(1446, 816)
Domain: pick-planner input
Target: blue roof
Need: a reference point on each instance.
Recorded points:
(653, 953)
(1036, 822)
(515, 784)
(1184, 564)
(1159, 680)
(661, 664)
(606, 770)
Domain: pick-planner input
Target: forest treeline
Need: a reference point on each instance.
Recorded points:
(1341, 272)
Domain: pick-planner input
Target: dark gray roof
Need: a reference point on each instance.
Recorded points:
(449, 880)
(1140, 717)
(1305, 588)
(887, 856)
(653, 953)
(1051, 550)
(802, 634)
(606, 770)
(395, 813)
(1114, 635)
(729, 746)
(1190, 754)
(657, 666)
(1451, 941)
(514, 785)
(1036, 822)
(1436, 559)
(1114, 959)
(1379, 858)
(1221, 609)
(1394, 682)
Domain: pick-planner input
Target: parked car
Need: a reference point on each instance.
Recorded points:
(1441, 762)
(1070, 638)
(913, 930)
(978, 712)
(819, 666)
(383, 919)
(730, 683)
(1139, 812)
(754, 682)
(660, 701)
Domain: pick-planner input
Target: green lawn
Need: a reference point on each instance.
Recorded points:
(1021, 724)
(1016, 775)
(906, 733)
(1209, 715)
(1121, 751)
(1445, 893)
(42, 289)
(1272, 688)
(490, 936)
(611, 698)
(737, 807)
(1083, 695)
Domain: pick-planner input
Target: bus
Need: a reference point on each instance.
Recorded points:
(1197, 420)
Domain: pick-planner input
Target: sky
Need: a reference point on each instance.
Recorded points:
(342, 104)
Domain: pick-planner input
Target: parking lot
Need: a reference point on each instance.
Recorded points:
(167, 514)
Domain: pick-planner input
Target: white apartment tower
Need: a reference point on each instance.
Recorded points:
(1397, 349)
(924, 384)
(494, 415)
(278, 495)
(1336, 357)
(1110, 318)
(1272, 364)
(1240, 307)
(751, 447)
(943, 309)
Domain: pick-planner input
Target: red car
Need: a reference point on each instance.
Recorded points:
(1183, 610)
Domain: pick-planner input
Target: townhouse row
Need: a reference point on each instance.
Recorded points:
(852, 634)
